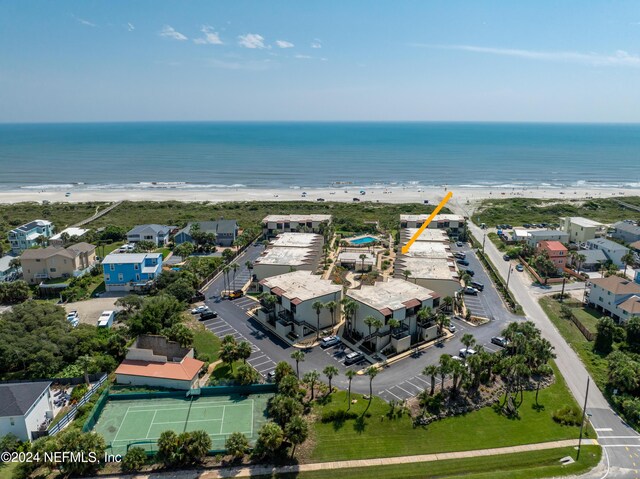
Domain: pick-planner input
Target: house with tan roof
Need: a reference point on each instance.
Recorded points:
(397, 299)
(293, 314)
(289, 252)
(615, 296)
(52, 262)
(155, 361)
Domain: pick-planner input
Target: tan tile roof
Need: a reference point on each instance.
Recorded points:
(631, 305)
(617, 285)
(184, 371)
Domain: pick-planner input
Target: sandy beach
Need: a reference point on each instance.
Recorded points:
(463, 198)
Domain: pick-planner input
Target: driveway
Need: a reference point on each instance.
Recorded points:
(91, 309)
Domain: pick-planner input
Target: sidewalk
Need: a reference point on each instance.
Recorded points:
(387, 461)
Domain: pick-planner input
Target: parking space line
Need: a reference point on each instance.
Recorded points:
(418, 387)
(428, 383)
(258, 357)
(394, 395)
(263, 362)
(398, 386)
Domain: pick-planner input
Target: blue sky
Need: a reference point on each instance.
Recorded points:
(330, 60)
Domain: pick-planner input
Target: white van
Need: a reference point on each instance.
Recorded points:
(106, 319)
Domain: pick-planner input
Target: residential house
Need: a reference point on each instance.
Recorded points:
(73, 234)
(617, 297)
(154, 361)
(627, 231)
(157, 234)
(130, 271)
(7, 271)
(41, 264)
(536, 236)
(635, 246)
(594, 259)
(397, 299)
(449, 222)
(556, 251)
(25, 409)
(26, 236)
(296, 292)
(614, 251)
(226, 232)
(582, 229)
(289, 252)
(273, 225)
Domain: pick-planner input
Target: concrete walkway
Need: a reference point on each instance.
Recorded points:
(248, 471)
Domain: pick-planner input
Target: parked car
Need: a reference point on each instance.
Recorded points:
(356, 199)
(526, 225)
(460, 255)
(478, 286)
(500, 341)
(238, 293)
(198, 296)
(463, 262)
(208, 315)
(470, 272)
(329, 341)
(353, 358)
(466, 352)
(73, 315)
(452, 328)
(320, 199)
(459, 244)
(199, 309)
(271, 377)
(506, 257)
(520, 268)
(426, 202)
(470, 290)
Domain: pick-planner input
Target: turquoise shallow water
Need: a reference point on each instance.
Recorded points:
(299, 155)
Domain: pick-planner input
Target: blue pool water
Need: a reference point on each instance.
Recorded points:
(363, 240)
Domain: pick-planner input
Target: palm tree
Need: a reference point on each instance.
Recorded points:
(422, 316)
(270, 300)
(377, 324)
(298, 357)
(350, 374)
(225, 272)
(393, 324)
(85, 362)
(468, 340)
(447, 301)
(369, 321)
(330, 371)
(362, 258)
(581, 259)
(332, 306)
(457, 370)
(372, 372)
(248, 264)
(444, 368)
(442, 321)
(432, 371)
(406, 273)
(244, 351)
(234, 267)
(311, 378)
(628, 259)
(317, 306)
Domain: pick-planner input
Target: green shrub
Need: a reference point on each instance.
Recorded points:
(339, 415)
(568, 416)
(134, 459)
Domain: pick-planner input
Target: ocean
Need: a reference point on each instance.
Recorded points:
(302, 155)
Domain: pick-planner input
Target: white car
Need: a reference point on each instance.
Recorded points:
(199, 309)
(464, 352)
(73, 316)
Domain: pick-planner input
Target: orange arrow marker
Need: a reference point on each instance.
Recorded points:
(406, 247)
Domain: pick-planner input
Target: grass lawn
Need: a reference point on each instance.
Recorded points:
(205, 343)
(222, 372)
(104, 250)
(495, 239)
(517, 211)
(594, 362)
(588, 316)
(525, 465)
(376, 437)
(165, 252)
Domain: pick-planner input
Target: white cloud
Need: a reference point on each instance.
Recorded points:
(302, 57)
(241, 65)
(618, 58)
(251, 40)
(211, 37)
(284, 44)
(130, 27)
(170, 32)
(84, 22)
(316, 44)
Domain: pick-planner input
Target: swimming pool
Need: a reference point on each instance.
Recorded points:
(363, 240)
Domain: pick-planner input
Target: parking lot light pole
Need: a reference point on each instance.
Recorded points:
(584, 412)
(483, 240)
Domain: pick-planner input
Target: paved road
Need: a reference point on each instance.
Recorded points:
(399, 381)
(621, 442)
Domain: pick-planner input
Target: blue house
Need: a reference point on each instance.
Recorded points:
(131, 271)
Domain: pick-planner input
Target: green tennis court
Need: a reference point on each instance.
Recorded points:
(141, 421)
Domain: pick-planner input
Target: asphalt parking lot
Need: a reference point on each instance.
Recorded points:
(401, 380)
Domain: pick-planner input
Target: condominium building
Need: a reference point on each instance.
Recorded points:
(273, 225)
(293, 314)
(582, 229)
(289, 252)
(442, 221)
(397, 299)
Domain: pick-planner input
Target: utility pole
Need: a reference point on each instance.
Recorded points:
(584, 413)
(483, 240)
(564, 280)
(508, 276)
